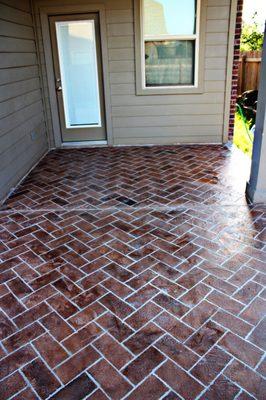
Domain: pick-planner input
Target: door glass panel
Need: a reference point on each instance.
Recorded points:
(79, 73)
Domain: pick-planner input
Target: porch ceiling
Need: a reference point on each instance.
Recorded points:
(133, 273)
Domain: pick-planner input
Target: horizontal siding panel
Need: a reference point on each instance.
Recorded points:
(124, 122)
(15, 15)
(176, 139)
(11, 29)
(120, 42)
(20, 165)
(216, 39)
(219, 2)
(216, 51)
(218, 12)
(155, 131)
(23, 5)
(118, 16)
(18, 88)
(16, 45)
(10, 122)
(184, 117)
(215, 75)
(215, 63)
(9, 60)
(121, 66)
(164, 100)
(17, 74)
(216, 25)
(118, 4)
(21, 106)
(123, 88)
(120, 29)
(190, 109)
(124, 77)
(13, 136)
(17, 103)
(213, 86)
(8, 156)
(121, 54)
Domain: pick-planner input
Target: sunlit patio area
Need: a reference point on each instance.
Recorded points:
(133, 273)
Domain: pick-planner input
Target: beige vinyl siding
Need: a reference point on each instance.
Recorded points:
(163, 119)
(184, 118)
(23, 137)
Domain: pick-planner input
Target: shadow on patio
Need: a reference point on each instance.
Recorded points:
(133, 273)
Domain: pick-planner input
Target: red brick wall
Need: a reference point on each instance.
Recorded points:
(235, 68)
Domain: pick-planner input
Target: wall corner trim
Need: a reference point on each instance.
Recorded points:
(229, 68)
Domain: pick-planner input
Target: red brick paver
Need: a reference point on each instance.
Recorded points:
(134, 273)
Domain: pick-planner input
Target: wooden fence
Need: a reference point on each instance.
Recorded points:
(249, 71)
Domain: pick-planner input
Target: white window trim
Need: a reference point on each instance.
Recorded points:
(199, 37)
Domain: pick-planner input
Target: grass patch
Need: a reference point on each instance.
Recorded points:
(241, 137)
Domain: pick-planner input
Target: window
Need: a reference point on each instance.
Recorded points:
(169, 43)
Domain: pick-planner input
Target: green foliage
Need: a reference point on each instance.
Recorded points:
(251, 37)
(241, 138)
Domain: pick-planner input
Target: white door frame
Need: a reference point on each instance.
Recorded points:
(45, 12)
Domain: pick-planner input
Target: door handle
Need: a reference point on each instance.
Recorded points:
(58, 85)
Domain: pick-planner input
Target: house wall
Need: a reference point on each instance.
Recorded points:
(23, 137)
(163, 119)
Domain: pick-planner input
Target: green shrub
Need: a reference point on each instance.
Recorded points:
(241, 138)
(251, 37)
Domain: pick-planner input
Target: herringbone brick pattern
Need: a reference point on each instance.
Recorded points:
(133, 176)
(131, 275)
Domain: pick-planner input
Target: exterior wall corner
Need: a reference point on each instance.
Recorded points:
(237, 36)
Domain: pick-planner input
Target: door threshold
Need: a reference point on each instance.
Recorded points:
(94, 143)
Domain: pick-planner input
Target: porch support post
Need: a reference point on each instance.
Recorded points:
(256, 187)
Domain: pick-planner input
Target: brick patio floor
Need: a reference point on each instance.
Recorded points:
(133, 273)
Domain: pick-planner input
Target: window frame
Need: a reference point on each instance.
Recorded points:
(140, 39)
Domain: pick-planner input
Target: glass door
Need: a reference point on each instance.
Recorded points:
(78, 76)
